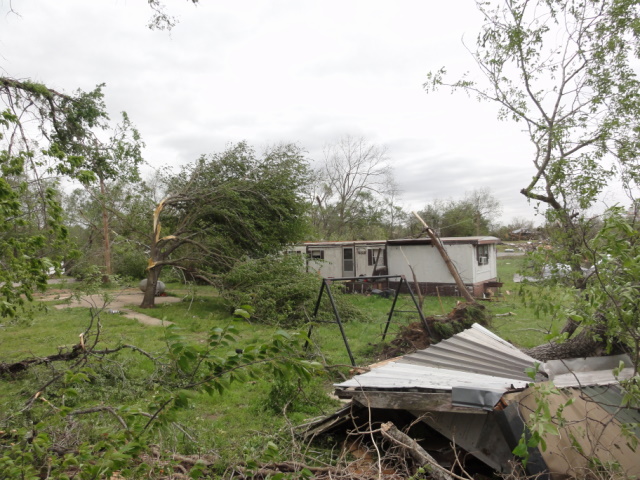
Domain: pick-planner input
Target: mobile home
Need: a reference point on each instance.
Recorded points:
(474, 258)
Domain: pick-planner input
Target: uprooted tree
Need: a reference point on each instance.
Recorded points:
(226, 206)
(565, 69)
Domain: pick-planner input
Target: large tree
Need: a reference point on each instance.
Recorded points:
(354, 190)
(226, 206)
(127, 206)
(115, 160)
(475, 214)
(566, 69)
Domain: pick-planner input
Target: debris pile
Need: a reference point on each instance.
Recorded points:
(462, 406)
(414, 337)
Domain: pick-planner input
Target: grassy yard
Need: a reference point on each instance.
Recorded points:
(237, 424)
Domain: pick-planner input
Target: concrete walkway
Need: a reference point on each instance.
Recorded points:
(118, 303)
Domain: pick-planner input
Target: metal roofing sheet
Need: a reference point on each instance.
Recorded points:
(474, 358)
(475, 350)
(396, 376)
(576, 372)
(477, 358)
(597, 377)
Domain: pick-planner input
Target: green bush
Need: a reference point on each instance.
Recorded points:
(278, 289)
(128, 261)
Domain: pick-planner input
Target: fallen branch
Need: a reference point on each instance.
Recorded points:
(13, 368)
(207, 460)
(74, 353)
(102, 408)
(419, 454)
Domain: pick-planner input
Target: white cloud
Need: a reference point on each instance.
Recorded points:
(266, 72)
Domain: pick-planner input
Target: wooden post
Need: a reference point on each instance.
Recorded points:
(445, 256)
(440, 300)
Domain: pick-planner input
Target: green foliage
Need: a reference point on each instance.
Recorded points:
(290, 394)
(474, 214)
(31, 241)
(104, 439)
(278, 288)
(463, 317)
(610, 298)
(59, 141)
(245, 204)
(281, 292)
(227, 206)
(129, 261)
(542, 421)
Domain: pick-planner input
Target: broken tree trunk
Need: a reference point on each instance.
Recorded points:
(419, 454)
(445, 256)
(589, 342)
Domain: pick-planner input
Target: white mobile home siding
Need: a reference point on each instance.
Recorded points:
(430, 269)
(332, 265)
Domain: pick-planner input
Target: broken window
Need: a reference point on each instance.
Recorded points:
(376, 255)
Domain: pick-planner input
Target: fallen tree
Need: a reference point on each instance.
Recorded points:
(225, 207)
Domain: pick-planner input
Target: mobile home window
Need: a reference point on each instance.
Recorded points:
(373, 253)
(482, 251)
(316, 254)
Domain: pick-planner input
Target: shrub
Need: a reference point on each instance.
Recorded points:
(278, 288)
(129, 261)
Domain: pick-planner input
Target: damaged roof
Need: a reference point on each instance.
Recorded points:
(480, 240)
(472, 389)
(471, 361)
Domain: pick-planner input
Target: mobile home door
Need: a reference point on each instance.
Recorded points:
(348, 264)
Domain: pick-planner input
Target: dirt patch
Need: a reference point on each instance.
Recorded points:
(116, 303)
(414, 336)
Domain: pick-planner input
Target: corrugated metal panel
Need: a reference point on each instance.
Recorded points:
(476, 350)
(610, 398)
(397, 375)
(597, 377)
(578, 372)
(475, 358)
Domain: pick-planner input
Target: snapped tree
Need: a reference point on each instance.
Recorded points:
(226, 206)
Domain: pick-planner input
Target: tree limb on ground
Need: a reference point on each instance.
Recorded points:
(419, 454)
(75, 352)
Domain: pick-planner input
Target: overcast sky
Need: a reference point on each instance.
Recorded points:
(276, 71)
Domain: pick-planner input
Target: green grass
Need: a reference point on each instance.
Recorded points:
(525, 328)
(238, 423)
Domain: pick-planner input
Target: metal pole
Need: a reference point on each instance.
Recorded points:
(344, 335)
(393, 306)
(315, 312)
(424, 320)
